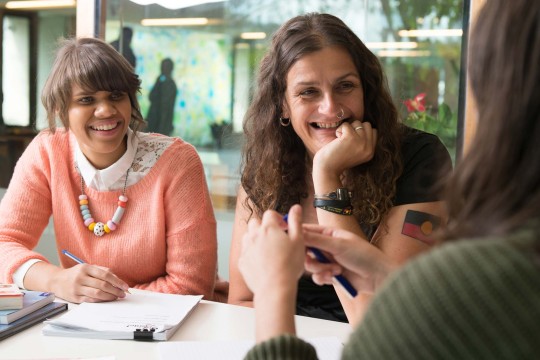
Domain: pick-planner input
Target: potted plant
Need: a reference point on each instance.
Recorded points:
(220, 130)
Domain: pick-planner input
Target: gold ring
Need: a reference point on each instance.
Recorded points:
(358, 127)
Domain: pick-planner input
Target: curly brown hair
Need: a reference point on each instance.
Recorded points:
(94, 65)
(274, 162)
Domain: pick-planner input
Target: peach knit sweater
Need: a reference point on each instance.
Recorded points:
(165, 242)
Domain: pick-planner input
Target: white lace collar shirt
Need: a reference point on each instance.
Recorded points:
(113, 177)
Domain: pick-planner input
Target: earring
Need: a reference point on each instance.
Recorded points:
(340, 114)
(284, 121)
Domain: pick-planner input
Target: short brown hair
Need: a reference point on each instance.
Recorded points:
(94, 65)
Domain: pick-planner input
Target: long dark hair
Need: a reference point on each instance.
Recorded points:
(93, 65)
(496, 188)
(274, 157)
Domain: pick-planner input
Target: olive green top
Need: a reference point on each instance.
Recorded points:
(471, 299)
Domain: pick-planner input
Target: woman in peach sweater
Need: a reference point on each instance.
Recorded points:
(134, 207)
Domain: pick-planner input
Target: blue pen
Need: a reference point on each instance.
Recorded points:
(72, 257)
(342, 280)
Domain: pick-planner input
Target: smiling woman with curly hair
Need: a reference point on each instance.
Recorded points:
(322, 131)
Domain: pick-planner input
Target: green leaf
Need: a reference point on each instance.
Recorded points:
(445, 114)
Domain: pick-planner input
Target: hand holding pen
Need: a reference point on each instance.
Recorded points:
(365, 265)
(338, 279)
(90, 283)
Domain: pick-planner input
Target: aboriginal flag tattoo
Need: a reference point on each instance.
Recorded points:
(420, 225)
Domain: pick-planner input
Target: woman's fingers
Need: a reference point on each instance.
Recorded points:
(112, 279)
(329, 238)
(89, 283)
(323, 278)
(314, 266)
(295, 223)
(269, 254)
(109, 281)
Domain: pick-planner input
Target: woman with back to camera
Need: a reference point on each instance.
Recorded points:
(476, 296)
(133, 206)
(322, 130)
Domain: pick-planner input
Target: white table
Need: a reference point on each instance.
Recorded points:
(209, 321)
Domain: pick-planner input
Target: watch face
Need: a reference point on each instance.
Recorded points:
(342, 194)
(339, 194)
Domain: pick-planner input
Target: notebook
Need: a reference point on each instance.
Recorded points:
(142, 315)
(32, 300)
(33, 318)
(10, 297)
(328, 348)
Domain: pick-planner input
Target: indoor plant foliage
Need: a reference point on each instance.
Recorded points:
(439, 120)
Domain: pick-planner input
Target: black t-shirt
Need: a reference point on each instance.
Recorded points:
(425, 162)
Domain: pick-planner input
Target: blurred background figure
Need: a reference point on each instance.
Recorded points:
(123, 45)
(162, 97)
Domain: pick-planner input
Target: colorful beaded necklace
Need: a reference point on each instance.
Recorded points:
(100, 228)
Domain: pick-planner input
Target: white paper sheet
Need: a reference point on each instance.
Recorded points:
(141, 310)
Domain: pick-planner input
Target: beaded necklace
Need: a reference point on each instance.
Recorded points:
(100, 228)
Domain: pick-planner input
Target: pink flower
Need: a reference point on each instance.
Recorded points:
(418, 103)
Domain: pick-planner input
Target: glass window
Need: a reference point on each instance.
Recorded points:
(215, 48)
(29, 40)
(16, 70)
(52, 25)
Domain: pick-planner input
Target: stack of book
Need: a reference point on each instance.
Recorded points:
(21, 309)
(10, 297)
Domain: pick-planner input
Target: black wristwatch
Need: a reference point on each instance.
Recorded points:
(338, 202)
(340, 194)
